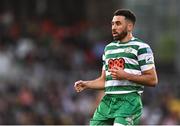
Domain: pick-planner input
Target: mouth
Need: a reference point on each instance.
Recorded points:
(114, 33)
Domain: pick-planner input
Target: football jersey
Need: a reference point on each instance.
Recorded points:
(134, 57)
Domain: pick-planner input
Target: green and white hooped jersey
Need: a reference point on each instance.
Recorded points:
(134, 57)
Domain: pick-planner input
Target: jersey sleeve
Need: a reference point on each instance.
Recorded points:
(145, 57)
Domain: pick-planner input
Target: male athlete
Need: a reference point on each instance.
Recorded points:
(128, 66)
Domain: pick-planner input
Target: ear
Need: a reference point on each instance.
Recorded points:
(130, 26)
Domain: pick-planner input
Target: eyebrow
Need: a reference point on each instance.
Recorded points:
(115, 21)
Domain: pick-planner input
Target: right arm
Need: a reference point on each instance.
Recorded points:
(98, 83)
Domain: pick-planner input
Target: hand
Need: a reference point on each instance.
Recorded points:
(118, 73)
(80, 85)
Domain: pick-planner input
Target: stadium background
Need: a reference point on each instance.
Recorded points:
(46, 45)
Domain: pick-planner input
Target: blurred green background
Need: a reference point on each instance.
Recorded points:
(46, 45)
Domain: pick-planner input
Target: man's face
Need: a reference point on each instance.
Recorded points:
(119, 27)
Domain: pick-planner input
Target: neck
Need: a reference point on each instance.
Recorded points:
(128, 37)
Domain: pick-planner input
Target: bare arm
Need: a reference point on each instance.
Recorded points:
(93, 84)
(148, 78)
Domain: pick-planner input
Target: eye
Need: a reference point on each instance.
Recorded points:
(118, 23)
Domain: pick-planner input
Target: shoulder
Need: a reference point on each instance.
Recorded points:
(144, 48)
(111, 45)
(140, 43)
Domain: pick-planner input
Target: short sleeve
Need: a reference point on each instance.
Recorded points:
(145, 57)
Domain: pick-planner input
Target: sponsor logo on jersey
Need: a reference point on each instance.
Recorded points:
(149, 59)
(128, 50)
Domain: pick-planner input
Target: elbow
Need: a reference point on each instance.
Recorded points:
(154, 82)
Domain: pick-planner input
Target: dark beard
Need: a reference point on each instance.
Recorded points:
(121, 36)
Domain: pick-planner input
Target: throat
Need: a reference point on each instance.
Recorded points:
(127, 38)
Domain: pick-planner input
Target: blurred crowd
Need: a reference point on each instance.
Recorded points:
(39, 62)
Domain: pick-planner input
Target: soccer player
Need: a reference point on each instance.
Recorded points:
(128, 66)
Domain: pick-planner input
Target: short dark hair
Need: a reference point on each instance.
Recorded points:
(127, 14)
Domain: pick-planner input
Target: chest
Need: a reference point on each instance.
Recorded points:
(121, 52)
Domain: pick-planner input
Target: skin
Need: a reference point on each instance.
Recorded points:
(122, 31)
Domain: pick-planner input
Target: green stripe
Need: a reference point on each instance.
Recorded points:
(142, 51)
(131, 66)
(118, 47)
(120, 55)
(142, 62)
(123, 88)
(106, 67)
(108, 77)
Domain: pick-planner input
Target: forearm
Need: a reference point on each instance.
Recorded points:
(96, 84)
(145, 79)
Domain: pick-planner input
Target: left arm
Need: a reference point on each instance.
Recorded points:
(148, 77)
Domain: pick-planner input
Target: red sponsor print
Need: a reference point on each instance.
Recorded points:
(116, 62)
